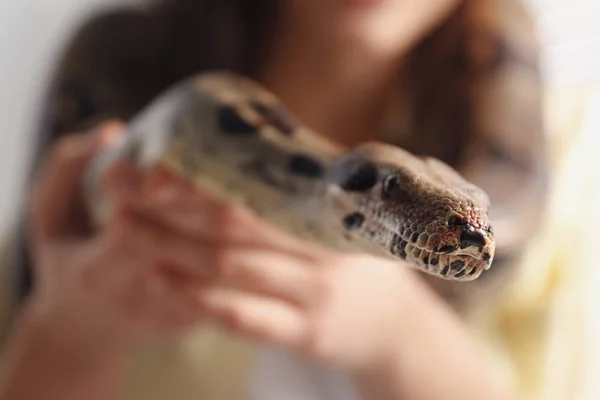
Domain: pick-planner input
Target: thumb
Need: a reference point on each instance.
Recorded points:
(57, 207)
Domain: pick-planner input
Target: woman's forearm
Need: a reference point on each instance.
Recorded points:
(437, 359)
(43, 361)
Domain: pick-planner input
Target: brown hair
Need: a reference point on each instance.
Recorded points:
(118, 61)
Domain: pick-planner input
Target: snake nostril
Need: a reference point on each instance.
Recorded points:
(472, 238)
(456, 221)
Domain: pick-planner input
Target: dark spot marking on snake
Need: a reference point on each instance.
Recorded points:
(457, 265)
(434, 261)
(261, 108)
(303, 165)
(461, 274)
(259, 169)
(354, 221)
(414, 237)
(275, 115)
(473, 271)
(444, 272)
(356, 175)
(398, 245)
(396, 240)
(448, 249)
(486, 256)
(426, 260)
(471, 237)
(231, 123)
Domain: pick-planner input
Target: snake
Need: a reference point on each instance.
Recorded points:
(228, 134)
(469, 94)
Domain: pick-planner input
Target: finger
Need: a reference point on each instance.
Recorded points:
(110, 132)
(163, 186)
(198, 214)
(159, 246)
(255, 317)
(58, 190)
(178, 202)
(106, 266)
(274, 274)
(153, 304)
(122, 181)
(157, 186)
(179, 311)
(149, 301)
(145, 298)
(270, 272)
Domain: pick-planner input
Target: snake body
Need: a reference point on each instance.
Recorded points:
(233, 137)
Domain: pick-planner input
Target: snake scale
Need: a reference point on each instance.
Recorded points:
(230, 135)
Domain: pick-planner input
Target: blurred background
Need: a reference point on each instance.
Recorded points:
(32, 31)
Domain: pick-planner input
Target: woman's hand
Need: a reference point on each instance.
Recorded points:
(341, 309)
(97, 295)
(372, 318)
(345, 310)
(102, 283)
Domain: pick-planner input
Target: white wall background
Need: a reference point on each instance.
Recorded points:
(30, 33)
(31, 30)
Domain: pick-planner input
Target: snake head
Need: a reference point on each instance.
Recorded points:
(421, 209)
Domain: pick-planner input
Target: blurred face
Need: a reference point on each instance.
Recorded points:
(379, 26)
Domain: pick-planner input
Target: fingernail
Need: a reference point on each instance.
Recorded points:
(109, 134)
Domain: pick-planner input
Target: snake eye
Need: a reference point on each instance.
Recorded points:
(356, 174)
(390, 186)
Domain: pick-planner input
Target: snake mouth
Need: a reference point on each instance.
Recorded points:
(441, 260)
(460, 265)
(449, 260)
(457, 267)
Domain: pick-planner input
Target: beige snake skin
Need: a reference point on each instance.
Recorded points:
(230, 135)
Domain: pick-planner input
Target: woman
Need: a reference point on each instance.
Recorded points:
(453, 79)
